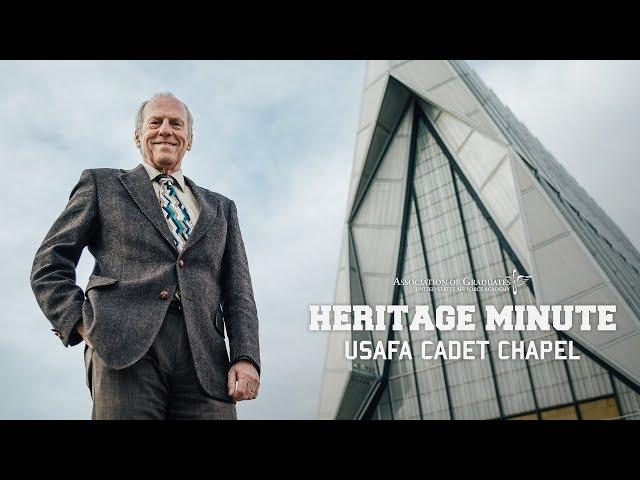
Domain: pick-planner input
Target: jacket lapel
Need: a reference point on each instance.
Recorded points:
(208, 213)
(137, 183)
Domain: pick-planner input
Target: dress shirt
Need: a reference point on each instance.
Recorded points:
(186, 195)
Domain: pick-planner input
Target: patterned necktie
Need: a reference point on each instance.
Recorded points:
(175, 212)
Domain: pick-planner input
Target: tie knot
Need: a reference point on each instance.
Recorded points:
(164, 179)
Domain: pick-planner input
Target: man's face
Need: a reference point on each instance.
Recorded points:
(163, 138)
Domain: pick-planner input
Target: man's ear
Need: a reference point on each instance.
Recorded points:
(189, 144)
(136, 139)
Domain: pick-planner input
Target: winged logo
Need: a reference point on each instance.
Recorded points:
(516, 280)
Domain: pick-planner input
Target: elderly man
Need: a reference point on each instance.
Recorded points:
(170, 273)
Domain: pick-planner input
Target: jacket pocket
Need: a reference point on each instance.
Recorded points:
(99, 281)
(97, 284)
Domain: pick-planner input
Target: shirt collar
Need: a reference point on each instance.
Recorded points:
(154, 172)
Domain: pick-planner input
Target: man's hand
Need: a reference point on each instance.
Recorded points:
(247, 378)
(79, 327)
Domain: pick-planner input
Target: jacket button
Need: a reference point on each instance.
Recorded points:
(180, 263)
(164, 295)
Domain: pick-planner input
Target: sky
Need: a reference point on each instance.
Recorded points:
(278, 138)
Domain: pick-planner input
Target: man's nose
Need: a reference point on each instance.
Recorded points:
(165, 128)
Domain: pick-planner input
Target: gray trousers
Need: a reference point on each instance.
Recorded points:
(162, 385)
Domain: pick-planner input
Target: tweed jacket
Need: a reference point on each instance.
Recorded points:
(116, 214)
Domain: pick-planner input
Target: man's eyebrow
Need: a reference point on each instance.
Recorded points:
(173, 119)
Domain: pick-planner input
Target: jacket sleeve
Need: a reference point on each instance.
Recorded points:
(53, 275)
(238, 305)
